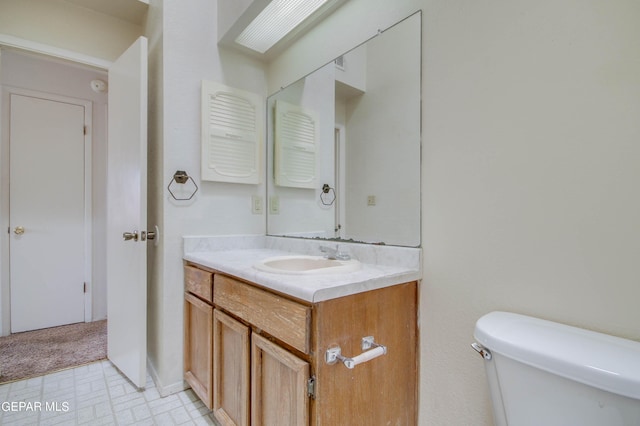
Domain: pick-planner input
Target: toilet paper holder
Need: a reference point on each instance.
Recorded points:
(334, 354)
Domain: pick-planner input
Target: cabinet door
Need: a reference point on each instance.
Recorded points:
(278, 385)
(384, 390)
(230, 370)
(198, 329)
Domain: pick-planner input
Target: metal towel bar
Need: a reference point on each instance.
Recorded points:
(334, 354)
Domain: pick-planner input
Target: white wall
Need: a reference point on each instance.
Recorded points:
(530, 165)
(64, 25)
(530, 173)
(24, 71)
(184, 52)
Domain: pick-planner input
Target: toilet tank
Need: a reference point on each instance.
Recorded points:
(545, 373)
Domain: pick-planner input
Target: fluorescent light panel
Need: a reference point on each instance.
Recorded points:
(276, 21)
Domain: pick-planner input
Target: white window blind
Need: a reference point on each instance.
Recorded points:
(232, 128)
(296, 146)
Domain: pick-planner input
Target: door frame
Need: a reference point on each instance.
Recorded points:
(5, 264)
(10, 41)
(340, 149)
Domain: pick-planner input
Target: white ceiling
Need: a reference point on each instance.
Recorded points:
(128, 10)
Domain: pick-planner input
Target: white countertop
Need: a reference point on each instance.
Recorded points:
(310, 288)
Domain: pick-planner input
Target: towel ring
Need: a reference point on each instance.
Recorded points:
(328, 195)
(181, 177)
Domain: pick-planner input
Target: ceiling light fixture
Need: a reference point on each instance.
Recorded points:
(276, 21)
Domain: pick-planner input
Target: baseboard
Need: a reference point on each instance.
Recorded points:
(164, 390)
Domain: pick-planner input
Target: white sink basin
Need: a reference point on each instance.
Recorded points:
(299, 264)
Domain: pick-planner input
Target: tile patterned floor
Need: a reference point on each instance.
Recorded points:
(96, 394)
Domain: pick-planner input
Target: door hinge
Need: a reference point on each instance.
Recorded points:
(311, 387)
(84, 288)
(84, 130)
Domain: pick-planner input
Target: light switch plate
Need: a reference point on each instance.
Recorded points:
(256, 204)
(274, 204)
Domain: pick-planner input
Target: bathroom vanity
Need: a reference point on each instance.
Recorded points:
(258, 351)
(330, 345)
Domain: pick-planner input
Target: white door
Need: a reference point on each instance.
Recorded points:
(127, 213)
(47, 212)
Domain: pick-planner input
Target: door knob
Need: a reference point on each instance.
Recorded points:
(130, 236)
(19, 230)
(151, 235)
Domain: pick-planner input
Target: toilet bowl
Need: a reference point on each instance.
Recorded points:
(544, 373)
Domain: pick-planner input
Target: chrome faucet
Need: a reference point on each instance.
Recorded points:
(335, 254)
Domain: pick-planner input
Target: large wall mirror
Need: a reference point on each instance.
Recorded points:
(343, 145)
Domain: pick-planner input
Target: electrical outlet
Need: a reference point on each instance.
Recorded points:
(371, 200)
(256, 204)
(274, 205)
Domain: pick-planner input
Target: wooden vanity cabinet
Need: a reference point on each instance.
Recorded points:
(198, 331)
(255, 379)
(231, 368)
(268, 357)
(276, 377)
(278, 385)
(382, 391)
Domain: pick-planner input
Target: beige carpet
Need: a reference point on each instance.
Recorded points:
(39, 352)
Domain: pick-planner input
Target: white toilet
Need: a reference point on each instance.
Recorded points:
(548, 374)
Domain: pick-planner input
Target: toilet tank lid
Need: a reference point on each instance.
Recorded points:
(606, 362)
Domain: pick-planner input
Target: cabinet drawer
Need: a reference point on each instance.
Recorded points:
(198, 282)
(282, 318)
